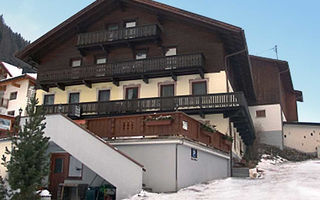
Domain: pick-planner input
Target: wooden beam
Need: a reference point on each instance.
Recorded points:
(160, 19)
(104, 48)
(15, 84)
(201, 73)
(87, 83)
(145, 79)
(82, 52)
(44, 88)
(173, 76)
(202, 115)
(60, 86)
(115, 82)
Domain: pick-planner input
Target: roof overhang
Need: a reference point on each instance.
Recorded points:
(285, 75)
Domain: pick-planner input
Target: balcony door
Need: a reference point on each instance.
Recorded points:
(103, 98)
(130, 30)
(167, 100)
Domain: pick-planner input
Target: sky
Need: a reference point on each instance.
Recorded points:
(292, 25)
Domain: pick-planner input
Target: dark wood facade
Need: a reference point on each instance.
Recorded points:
(188, 32)
(273, 85)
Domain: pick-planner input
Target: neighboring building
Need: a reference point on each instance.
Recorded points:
(6, 126)
(302, 136)
(276, 99)
(15, 89)
(116, 63)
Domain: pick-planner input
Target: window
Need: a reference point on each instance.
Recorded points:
(13, 95)
(167, 90)
(141, 54)
(199, 88)
(261, 113)
(130, 24)
(11, 113)
(132, 93)
(101, 60)
(113, 27)
(104, 95)
(58, 165)
(76, 62)
(171, 51)
(48, 99)
(74, 97)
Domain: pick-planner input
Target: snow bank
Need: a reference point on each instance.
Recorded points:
(279, 180)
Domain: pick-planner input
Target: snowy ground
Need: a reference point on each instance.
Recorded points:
(280, 181)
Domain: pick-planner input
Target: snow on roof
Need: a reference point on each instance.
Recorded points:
(33, 75)
(13, 70)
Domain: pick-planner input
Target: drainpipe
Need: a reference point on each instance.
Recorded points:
(226, 64)
(281, 109)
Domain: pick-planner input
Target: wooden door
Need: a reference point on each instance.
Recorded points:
(59, 168)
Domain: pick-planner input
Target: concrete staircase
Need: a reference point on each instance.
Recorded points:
(102, 158)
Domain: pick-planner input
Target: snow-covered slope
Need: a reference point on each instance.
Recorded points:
(281, 181)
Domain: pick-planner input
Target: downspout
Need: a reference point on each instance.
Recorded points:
(281, 109)
(226, 64)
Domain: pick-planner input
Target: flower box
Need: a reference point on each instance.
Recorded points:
(158, 122)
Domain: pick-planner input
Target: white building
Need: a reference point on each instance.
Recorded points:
(15, 89)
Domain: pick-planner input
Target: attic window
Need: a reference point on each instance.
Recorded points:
(261, 113)
(75, 62)
(130, 24)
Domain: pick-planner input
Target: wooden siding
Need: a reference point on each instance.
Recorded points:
(273, 87)
(187, 38)
(137, 125)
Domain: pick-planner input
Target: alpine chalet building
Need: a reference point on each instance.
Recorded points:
(140, 94)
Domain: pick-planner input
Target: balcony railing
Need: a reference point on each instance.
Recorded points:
(179, 124)
(184, 103)
(233, 105)
(120, 35)
(4, 102)
(151, 67)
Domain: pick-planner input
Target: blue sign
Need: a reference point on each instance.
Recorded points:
(194, 154)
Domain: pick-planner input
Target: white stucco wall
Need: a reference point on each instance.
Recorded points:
(268, 129)
(216, 84)
(304, 138)
(166, 161)
(22, 97)
(206, 167)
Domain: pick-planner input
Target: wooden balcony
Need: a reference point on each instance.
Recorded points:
(124, 35)
(179, 125)
(232, 105)
(128, 70)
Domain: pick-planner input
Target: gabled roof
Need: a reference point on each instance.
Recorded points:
(11, 70)
(82, 15)
(232, 36)
(284, 71)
